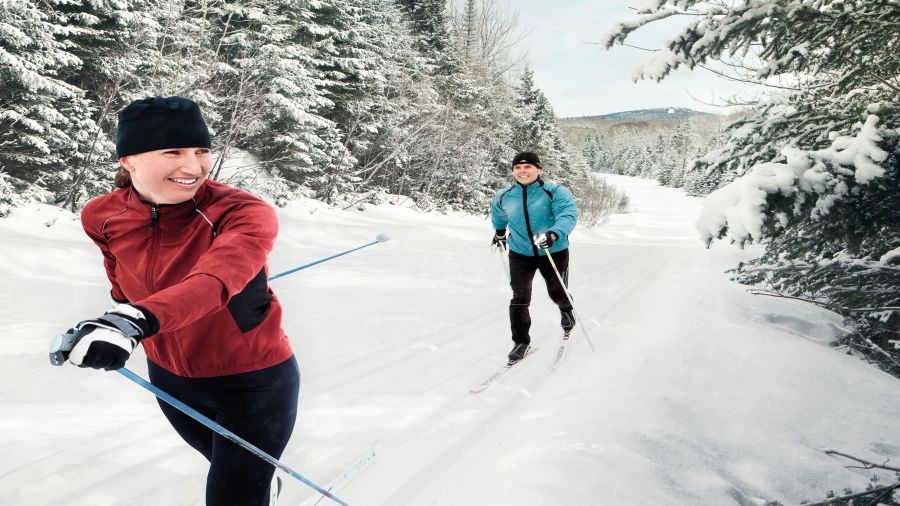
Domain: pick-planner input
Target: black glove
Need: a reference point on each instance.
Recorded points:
(544, 240)
(106, 342)
(499, 239)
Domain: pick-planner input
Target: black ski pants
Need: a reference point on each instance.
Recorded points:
(258, 406)
(521, 278)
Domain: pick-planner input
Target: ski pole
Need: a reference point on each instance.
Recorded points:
(569, 296)
(378, 239)
(227, 434)
(59, 353)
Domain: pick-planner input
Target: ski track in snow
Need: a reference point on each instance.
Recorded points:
(698, 393)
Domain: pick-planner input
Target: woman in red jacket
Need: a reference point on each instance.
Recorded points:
(186, 257)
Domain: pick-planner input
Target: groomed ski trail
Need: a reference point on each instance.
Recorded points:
(454, 432)
(694, 387)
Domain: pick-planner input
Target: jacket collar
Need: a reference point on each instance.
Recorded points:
(539, 182)
(188, 207)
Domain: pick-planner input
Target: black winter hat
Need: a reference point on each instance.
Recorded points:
(159, 123)
(527, 157)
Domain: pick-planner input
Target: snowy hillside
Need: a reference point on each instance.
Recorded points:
(697, 394)
(663, 114)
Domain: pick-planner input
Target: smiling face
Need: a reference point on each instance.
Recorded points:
(526, 173)
(168, 176)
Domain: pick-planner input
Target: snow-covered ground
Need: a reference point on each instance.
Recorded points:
(697, 394)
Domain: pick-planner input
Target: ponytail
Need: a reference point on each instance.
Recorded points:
(123, 178)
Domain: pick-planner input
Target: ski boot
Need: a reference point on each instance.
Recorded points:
(518, 352)
(567, 321)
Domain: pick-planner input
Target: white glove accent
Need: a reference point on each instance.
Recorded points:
(76, 356)
(128, 309)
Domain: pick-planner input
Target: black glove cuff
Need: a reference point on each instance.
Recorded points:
(138, 328)
(500, 232)
(151, 322)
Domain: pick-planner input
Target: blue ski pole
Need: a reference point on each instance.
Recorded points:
(227, 434)
(59, 353)
(378, 239)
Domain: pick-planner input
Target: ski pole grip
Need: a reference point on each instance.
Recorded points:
(60, 347)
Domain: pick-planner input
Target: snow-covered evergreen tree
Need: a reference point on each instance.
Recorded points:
(113, 41)
(466, 131)
(537, 128)
(666, 152)
(431, 24)
(10, 197)
(814, 173)
(351, 98)
(278, 106)
(375, 84)
(44, 120)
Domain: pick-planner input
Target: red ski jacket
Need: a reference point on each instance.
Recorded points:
(200, 268)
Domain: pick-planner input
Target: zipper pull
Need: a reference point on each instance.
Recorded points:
(154, 215)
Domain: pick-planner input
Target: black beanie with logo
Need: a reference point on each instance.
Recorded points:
(156, 123)
(527, 157)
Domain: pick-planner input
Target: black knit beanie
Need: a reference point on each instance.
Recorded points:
(527, 157)
(159, 123)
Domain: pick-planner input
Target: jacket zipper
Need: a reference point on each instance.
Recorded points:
(527, 219)
(154, 246)
(155, 239)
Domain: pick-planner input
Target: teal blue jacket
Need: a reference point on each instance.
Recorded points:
(534, 209)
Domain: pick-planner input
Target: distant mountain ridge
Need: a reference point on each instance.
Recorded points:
(649, 115)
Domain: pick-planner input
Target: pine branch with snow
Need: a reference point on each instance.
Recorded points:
(812, 174)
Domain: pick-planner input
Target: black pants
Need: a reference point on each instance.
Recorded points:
(258, 406)
(521, 275)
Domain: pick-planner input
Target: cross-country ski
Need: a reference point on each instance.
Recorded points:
(563, 348)
(349, 474)
(500, 373)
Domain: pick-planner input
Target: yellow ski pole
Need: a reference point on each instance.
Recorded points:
(569, 296)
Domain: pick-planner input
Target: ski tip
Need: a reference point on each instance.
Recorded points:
(382, 237)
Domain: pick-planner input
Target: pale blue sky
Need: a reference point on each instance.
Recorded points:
(582, 79)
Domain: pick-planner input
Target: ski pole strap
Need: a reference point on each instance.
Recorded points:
(222, 431)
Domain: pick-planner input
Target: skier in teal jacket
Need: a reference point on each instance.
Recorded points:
(538, 215)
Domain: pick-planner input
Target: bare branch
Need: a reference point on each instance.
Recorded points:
(866, 464)
(641, 48)
(889, 85)
(728, 102)
(833, 307)
(877, 348)
(743, 80)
